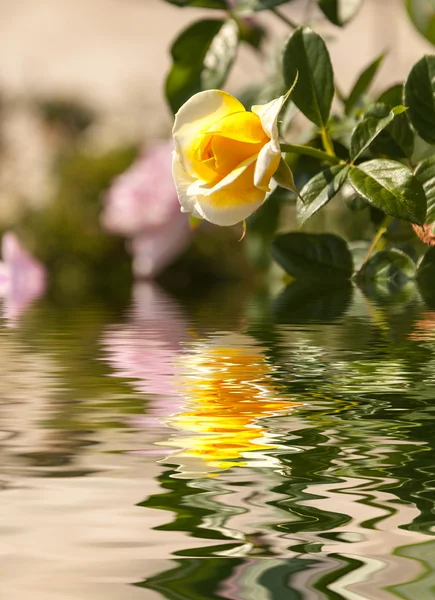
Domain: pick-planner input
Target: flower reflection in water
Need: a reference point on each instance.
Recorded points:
(144, 350)
(229, 388)
(213, 392)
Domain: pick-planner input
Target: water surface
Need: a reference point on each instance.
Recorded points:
(234, 446)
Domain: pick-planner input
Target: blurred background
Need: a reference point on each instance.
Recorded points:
(82, 102)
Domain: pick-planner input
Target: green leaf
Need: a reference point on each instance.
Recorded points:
(426, 278)
(369, 129)
(420, 97)
(425, 173)
(362, 84)
(391, 187)
(319, 191)
(422, 15)
(355, 202)
(388, 265)
(340, 12)
(220, 4)
(397, 139)
(251, 33)
(284, 177)
(220, 56)
(313, 256)
(306, 53)
(392, 96)
(426, 269)
(247, 6)
(202, 56)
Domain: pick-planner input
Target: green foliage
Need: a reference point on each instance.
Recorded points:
(362, 84)
(313, 256)
(319, 191)
(246, 6)
(426, 269)
(220, 4)
(368, 130)
(251, 33)
(370, 148)
(202, 56)
(70, 117)
(284, 177)
(425, 173)
(420, 97)
(391, 187)
(340, 12)
(392, 96)
(67, 235)
(422, 15)
(397, 139)
(306, 55)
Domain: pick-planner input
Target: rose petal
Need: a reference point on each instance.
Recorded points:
(207, 189)
(241, 127)
(268, 114)
(232, 210)
(182, 182)
(194, 119)
(232, 203)
(267, 163)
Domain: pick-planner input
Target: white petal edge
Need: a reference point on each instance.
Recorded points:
(268, 114)
(228, 216)
(268, 154)
(182, 182)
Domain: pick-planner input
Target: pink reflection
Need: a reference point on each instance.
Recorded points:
(145, 350)
(142, 205)
(22, 278)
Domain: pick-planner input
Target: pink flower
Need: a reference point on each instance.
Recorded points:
(142, 205)
(22, 278)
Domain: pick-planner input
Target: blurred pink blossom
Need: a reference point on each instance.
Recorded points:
(22, 278)
(142, 205)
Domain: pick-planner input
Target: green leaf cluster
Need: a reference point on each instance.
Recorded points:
(202, 56)
(368, 147)
(325, 261)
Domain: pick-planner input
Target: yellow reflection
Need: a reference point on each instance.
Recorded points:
(229, 388)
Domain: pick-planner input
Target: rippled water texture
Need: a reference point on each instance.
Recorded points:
(235, 447)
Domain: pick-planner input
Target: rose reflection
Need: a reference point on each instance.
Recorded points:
(229, 388)
(213, 392)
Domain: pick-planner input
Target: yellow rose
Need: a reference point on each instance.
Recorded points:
(225, 157)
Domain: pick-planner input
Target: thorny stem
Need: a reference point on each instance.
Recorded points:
(284, 18)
